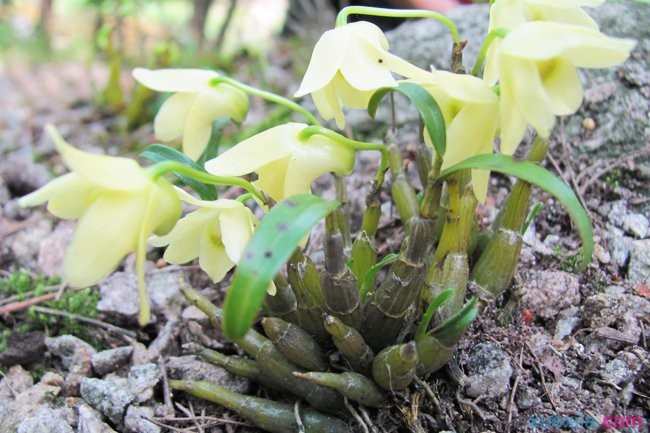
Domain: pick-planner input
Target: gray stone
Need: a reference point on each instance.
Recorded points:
(548, 292)
(52, 249)
(636, 224)
(75, 354)
(191, 368)
(142, 379)
(621, 369)
(22, 247)
(619, 245)
(489, 371)
(16, 380)
(90, 421)
(136, 420)
(527, 397)
(107, 397)
(617, 310)
(4, 192)
(28, 402)
(639, 269)
(110, 360)
(567, 322)
(22, 174)
(45, 420)
(119, 295)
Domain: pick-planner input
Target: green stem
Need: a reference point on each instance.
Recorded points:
(306, 133)
(269, 96)
(499, 32)
(245, 197)
(343, 15)
(161, 168)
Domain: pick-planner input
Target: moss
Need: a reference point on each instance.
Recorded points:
(23, 285)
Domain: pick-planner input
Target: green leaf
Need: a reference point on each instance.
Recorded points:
(450, 331)
(160, 152)
(536, 175)
(369, 279)
(428, 315)
(274, 241)
(427, 106)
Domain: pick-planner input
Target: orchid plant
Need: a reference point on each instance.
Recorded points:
(389, 326)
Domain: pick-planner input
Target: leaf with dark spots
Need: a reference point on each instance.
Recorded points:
(266, 252)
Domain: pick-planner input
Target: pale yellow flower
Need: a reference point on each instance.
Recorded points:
(509, 14)
(347, 65)
(216, 232)
(285, 164)
(539, 79)
(470, 109)
(118, 206)
(190, 111)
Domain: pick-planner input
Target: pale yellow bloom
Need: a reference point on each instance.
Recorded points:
(285, 164)
(216, 232)
(539, 79)
(470, 109)
(118, 206)
(190, 111)
(347, 65)
(509, 14)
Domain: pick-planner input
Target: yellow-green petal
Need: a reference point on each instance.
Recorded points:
(106, 233)
(213, 258)
(68, 196)
(106, 171)
(174, 80)
(169, 122)
(261, 149)
(236, 230)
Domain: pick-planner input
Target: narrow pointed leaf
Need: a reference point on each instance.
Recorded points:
(539, 176)
(369, 279)
(426, 106)
(274, 241)
(450, 331)
(433, 306)
(159, 153)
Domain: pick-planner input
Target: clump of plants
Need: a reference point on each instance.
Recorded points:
(393, 318)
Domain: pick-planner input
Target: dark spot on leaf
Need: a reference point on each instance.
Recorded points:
(290, 203)
(282, 227)
(268, 254)
(249, 255)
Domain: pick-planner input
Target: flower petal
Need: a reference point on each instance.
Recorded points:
(174, 80)
(184, 241)
(364, 68)
(68, 196)
(170, 119)
(325, 61)
(529, 92)
(261, 149)
(213, 258)
(584, 47)
(319, 155)
(563, 87)
(223, 101)
(107, 232)
(271, 178)
(236, 229)
(511, 120)
(107, 171)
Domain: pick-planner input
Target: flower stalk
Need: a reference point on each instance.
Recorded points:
(342, 17)
(266, 95)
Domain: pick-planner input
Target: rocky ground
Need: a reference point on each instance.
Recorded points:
(560, 343)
